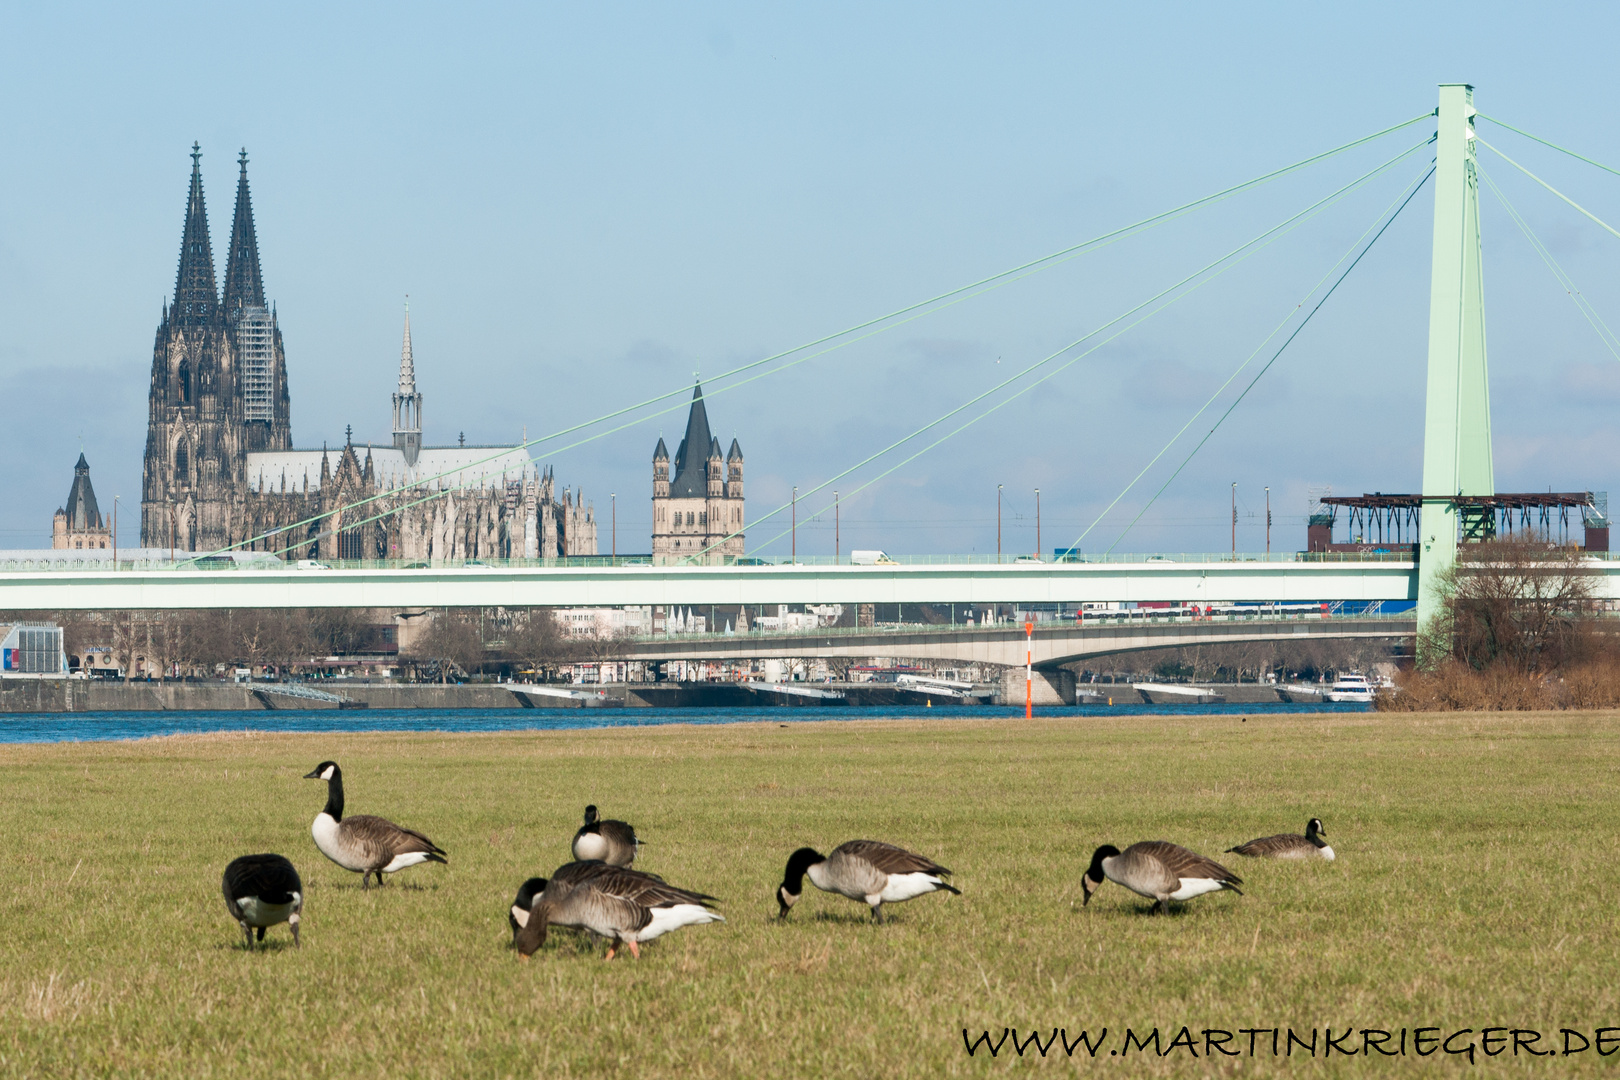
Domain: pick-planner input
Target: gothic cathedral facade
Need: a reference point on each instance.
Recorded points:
(221, 471)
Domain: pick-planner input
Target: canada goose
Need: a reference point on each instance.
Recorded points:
(1289, 845)
(612, 842)
(261, 891)
(866, 870)
(363, 843)
(1158, 870)
(518, 913)
(623, 905)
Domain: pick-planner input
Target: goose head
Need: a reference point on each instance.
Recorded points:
(1093, 879)
(532, 935)
(787, 893)
(527, 894)
(590, 815)
(326, 770)
(1313, 830)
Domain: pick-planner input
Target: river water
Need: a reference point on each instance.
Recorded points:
(89, 727)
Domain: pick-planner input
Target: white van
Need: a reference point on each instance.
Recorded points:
(870, 558)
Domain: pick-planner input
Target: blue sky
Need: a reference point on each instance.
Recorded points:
(587, 204)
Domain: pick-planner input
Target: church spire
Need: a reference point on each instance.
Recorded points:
(195, 295)
(244, 287)
(407, 402)
(407, 364)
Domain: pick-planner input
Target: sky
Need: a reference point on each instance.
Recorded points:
(589, 204)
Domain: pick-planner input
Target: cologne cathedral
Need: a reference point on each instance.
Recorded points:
(221, 470)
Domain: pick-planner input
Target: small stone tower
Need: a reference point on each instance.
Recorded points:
(697, 505)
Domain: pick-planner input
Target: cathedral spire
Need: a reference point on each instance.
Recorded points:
(407, 364)
(244, 287)
(195, 295)
(407, 402)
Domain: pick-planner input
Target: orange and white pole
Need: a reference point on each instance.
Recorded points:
(1029, 670)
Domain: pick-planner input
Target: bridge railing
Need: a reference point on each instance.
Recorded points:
(1089, 619)
(79, 562)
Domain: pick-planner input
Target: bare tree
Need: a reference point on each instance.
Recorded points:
(537, 640)
(451, 640)
(1518, 602)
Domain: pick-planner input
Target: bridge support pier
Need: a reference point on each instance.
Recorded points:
(1457, 413)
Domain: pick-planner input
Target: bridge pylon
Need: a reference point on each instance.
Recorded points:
(1457, 412)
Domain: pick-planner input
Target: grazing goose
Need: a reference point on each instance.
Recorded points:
(518, 913)
(623, 905)
(261, 891)
(1289, 845)
(1160, 871)
(866, 870)
(612, 842)
(363, 843)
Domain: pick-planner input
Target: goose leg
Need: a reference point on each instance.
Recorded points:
(877, 912)
(365, 880)
(612, 945)
(635, 950)
(247, 935)
(293, 922)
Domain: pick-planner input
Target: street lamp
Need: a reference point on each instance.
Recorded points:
(1037, 523)
(613, 497)
(998, 523)
(115, 530)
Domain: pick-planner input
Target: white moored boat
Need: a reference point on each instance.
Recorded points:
(1352, 687)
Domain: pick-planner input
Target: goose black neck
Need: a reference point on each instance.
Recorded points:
(334, 795)
(797, 864)
(1095, 870)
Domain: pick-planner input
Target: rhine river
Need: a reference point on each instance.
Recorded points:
(100, 726)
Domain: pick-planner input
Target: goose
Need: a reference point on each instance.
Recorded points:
(518, 913)
(605, 840)
(261, 891)
(1158, 870)
(363, 843)
(1289, 845)
(867, 870)
(625, 906)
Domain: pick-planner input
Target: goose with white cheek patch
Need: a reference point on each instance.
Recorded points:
(605, 840)
(870, 871)
(625, 906)
(1289, 845)
(1160, 871)
(262, 891)
(363, 843)
(518, 914)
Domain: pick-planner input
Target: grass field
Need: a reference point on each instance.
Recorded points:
(1476, 885)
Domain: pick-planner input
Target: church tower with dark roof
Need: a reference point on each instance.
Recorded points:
(697, 505)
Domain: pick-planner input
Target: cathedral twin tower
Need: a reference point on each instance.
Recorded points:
(219, 383)
(221, 470)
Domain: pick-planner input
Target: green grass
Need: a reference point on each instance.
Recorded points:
(1478, 870)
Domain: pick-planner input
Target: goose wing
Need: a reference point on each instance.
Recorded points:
(889, 859)
(621, 832)
(1184, 863)
(271, 878)
(1272, 847)
(645, 890)
(381, 839)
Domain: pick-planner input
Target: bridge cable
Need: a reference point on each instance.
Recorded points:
(1544, 142)
(914, 311)
(1605, 225)
(1232, 258)
(1565, 282)
(1258, 375)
